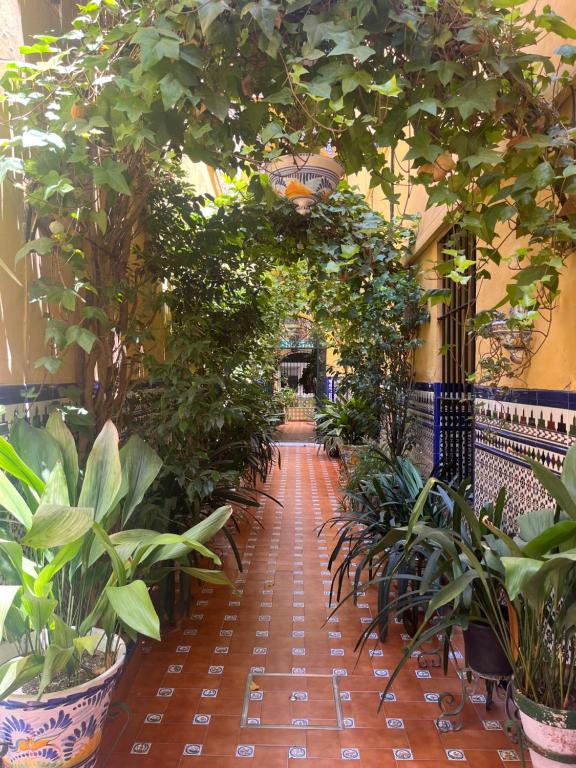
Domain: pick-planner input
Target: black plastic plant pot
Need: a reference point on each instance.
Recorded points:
(484, 654)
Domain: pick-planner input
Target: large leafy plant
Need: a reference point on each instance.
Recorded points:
(346, 422)
(522, 585)
(70, 561)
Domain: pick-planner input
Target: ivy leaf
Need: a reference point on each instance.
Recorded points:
(425, 105)
(264, 14)
(171, 90)
(319, 89)
(95, 313)
(480, 97)
(56, 184)
(554, 23)
(52, 364)
(76, 334)
(41, 245)
(422, 149)
(31, 137)
(208, 12)
(542, 175)
(100, 218)
(10, 165)
(483, 156)
(111, 174)
(271, 131)
(447, 70)
(389, 88)
(283, 96)
(218, 104)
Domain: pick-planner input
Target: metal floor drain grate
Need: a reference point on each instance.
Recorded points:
(290, 700)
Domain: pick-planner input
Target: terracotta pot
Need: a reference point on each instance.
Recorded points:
(553, 731)
(304, 179)
(484, 654)
(61, 729)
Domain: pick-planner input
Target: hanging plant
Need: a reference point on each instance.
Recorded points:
(304, 179)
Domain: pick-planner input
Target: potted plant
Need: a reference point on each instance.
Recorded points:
(304, 178)
(345, 426)
(521, 588)
(72, 582)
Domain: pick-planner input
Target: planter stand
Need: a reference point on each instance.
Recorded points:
(451, 717)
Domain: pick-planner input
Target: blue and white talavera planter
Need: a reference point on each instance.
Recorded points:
(304, 179)
(59, 730)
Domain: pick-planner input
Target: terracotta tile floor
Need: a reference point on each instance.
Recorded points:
(186, 693)
(296, 432)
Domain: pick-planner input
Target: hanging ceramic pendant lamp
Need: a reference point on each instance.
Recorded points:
(304, 178)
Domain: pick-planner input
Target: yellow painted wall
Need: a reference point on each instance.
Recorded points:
(21, 323)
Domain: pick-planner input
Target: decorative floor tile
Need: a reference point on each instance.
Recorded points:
(394, 722)
(456, 754)
(509, 756)
(192, 750)
(403, 754)
(245, 750)
(350, 753)
(297, 753)
(140, 748)
(153, 717)
(201, 719)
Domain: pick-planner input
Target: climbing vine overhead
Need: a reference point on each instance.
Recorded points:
(135, 82)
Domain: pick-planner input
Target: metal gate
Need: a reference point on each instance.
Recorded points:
(456, 403)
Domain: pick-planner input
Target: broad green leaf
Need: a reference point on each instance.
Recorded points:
(36, 447)
(140, 465)
(64, 555)
(558, 534)
(11, 463)
(518, 572)
(569, 468)
(86, 644)
(556, 488)
(7, 594)
(207, 528)
(17, 672)
(56, 491)
(55, 660)
(134, 608)
(13, 502)
(55, 525)
(60, 432)
(63, 634)
(103, 475)
(39, 610)
(205, 574)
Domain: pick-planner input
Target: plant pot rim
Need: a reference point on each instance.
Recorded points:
(32, 701)
(557, 718)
